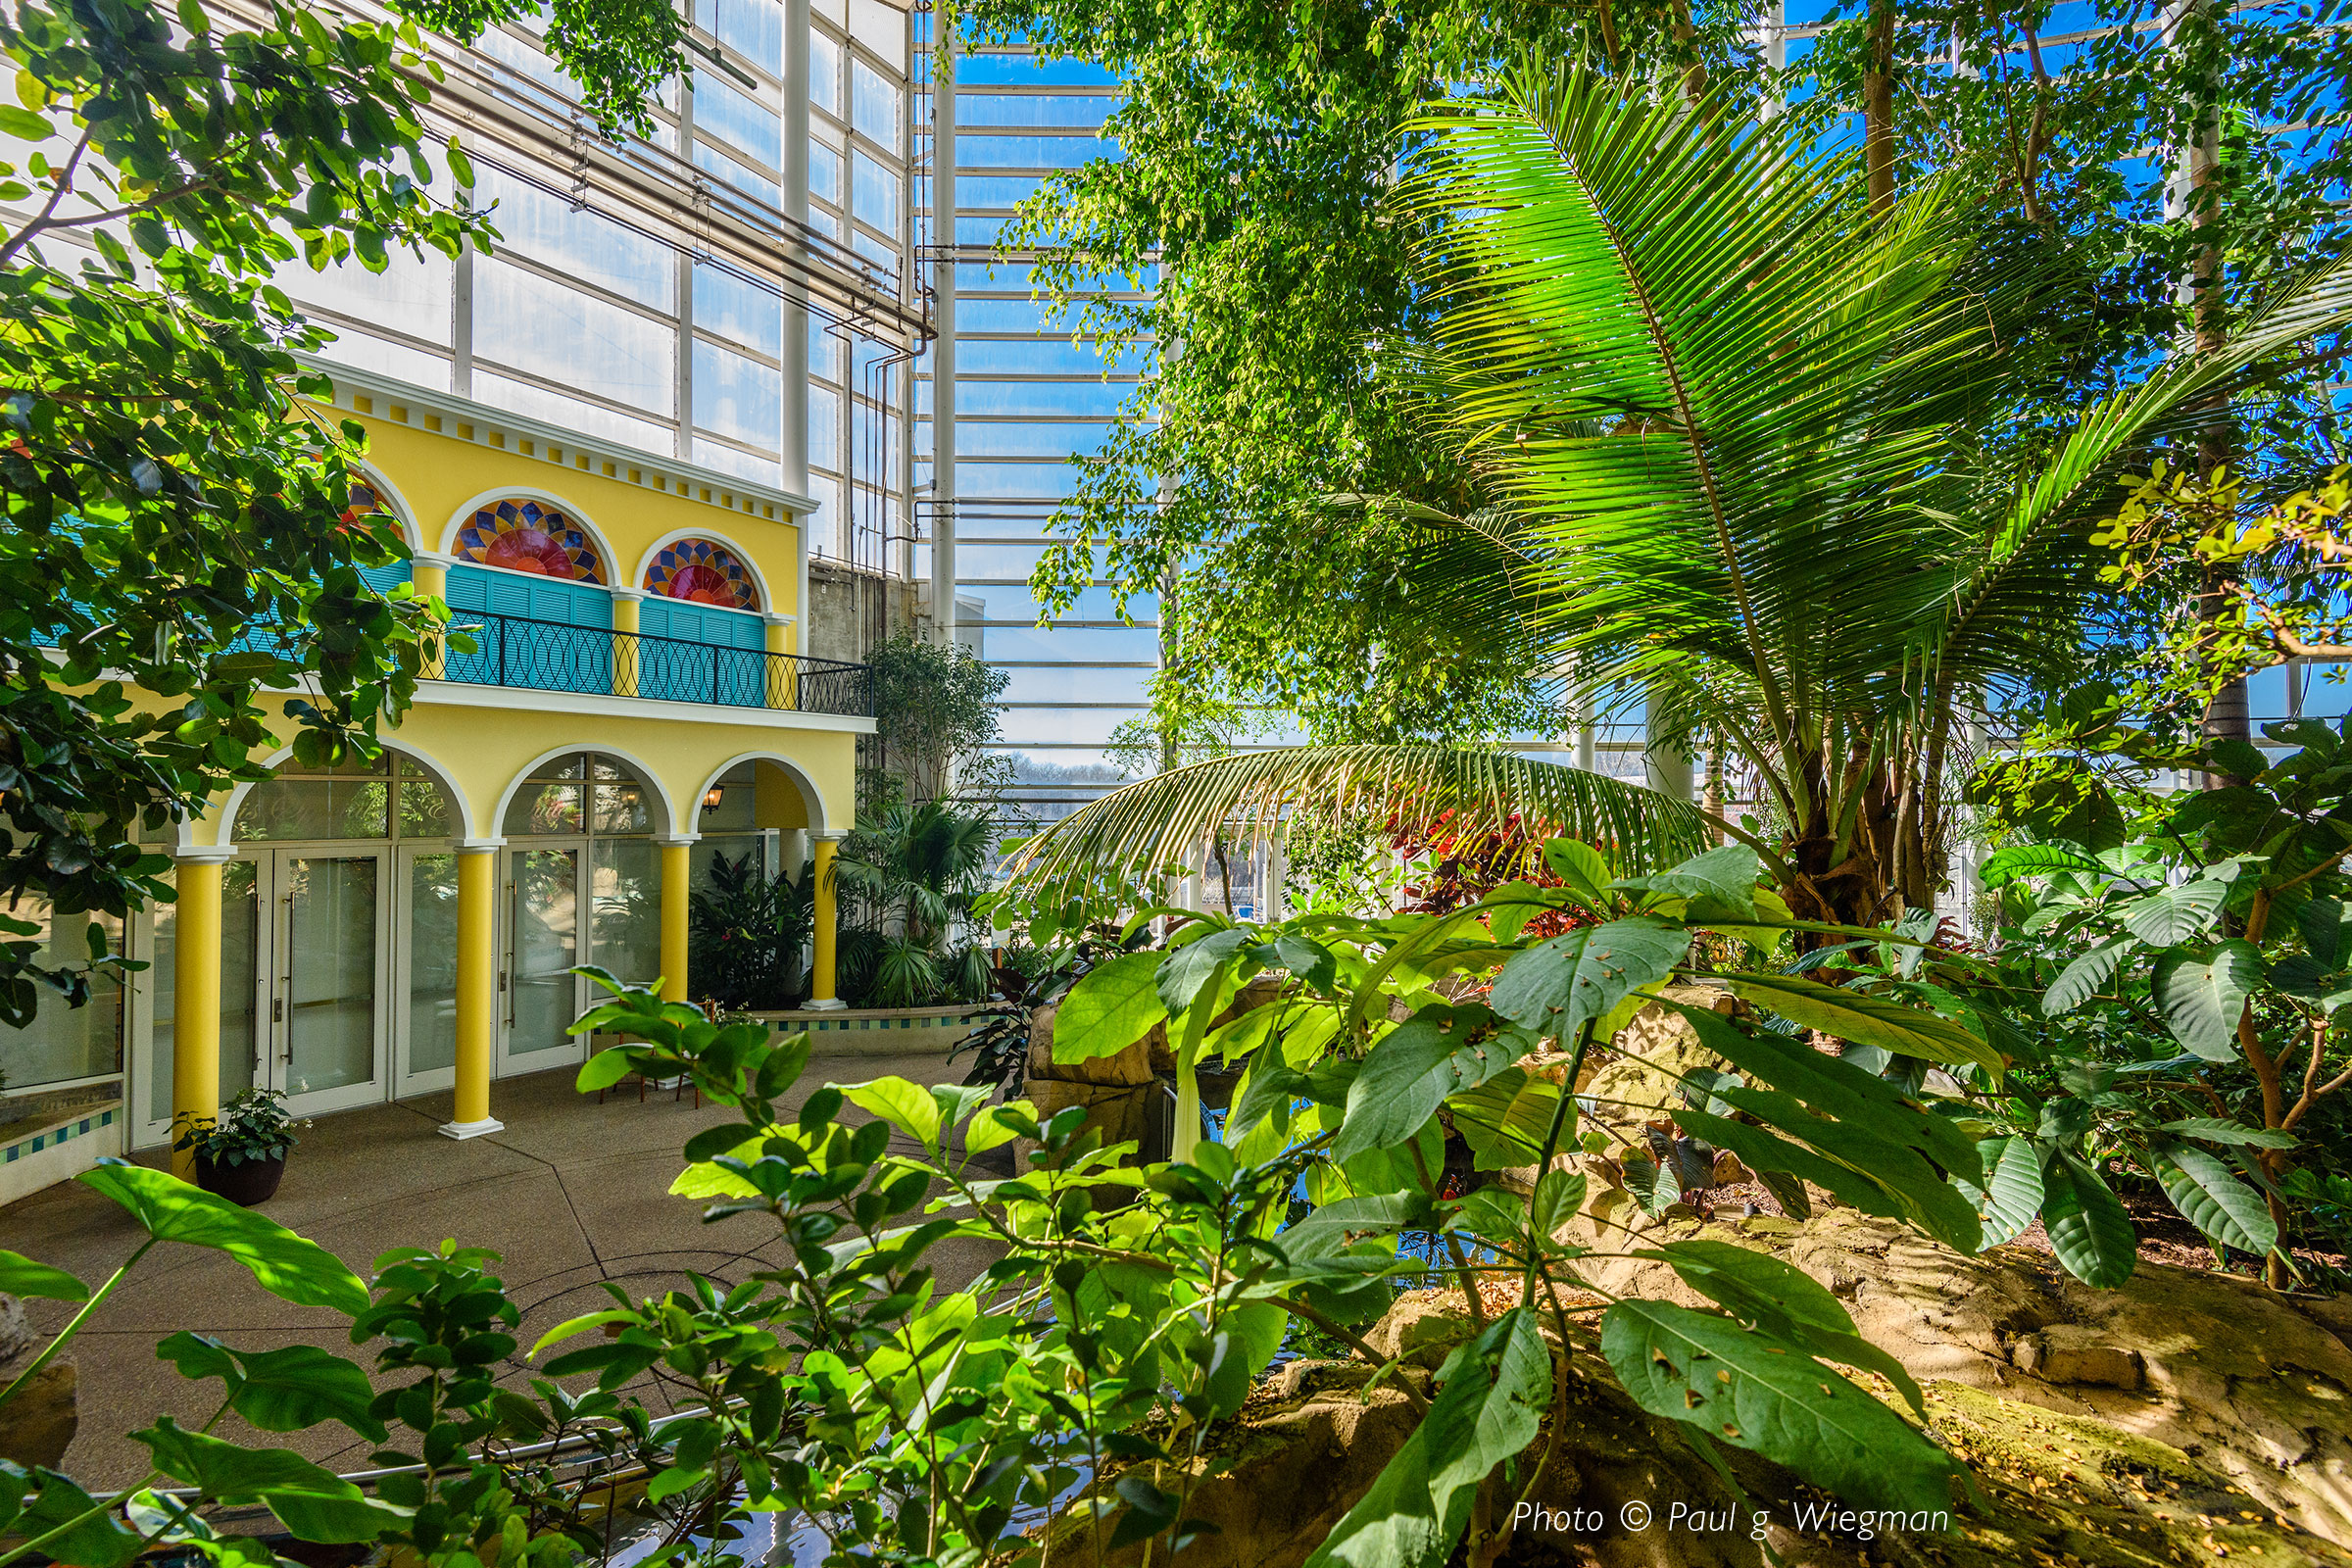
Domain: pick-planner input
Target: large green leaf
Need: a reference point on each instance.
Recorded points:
(1333, 1226)
(1557, 986)
(1183, 973)
(1111, 1007)
(2006, 865)
(1835, 1088)
(2322, 924)
(2082, 979)
(1766, 1293)
(316, 1505)
(1439, 1052)
(2089, 1229)
(94, 1541)
(2214, 1130)
(2203, 995)
(1506, 1119)
(1923, 1195)
(2172, 915)
(21, 1276)
(1491, 1395)
(1721, 884)
(903, 1104)
(286, 1265)
(2210, 1197)
(2010, 1198)
(286, 1390)
(1756, 1392)
(1864, 1019)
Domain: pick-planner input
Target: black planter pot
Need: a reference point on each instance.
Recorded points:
(246, 1183)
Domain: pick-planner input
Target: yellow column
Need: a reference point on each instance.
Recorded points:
(783, 683)
(823, 979)
(477, 987)
(676, 874)
(196, 998)
(430, 574)
(624, 642)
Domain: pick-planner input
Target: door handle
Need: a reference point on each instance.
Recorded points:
(277, 1009)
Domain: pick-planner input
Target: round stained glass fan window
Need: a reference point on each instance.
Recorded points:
(703, 573)
(527, 536)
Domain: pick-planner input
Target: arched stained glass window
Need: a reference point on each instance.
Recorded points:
(704, 573)
(528, 536)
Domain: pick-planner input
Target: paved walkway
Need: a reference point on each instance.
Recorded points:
(570, 1195)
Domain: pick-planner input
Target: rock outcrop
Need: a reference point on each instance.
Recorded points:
(2184, 1419)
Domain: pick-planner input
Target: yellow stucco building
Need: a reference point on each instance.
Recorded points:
(637, 705)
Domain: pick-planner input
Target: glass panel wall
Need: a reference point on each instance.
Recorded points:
(1027, 398)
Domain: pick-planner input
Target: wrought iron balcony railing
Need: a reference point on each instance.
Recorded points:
(550, 656)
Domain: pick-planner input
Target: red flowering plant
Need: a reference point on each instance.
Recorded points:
(1449, 870)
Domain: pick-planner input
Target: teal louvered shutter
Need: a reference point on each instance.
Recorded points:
(707, 654)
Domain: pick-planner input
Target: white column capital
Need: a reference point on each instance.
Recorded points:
(619, 592)
(774, 619)
(829, 835)
(676, 840)
(203, 854)
(433, 558)
(477, 846)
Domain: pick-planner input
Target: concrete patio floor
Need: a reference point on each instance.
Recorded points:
(571, 1194)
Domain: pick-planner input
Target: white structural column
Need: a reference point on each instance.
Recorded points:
(942, 317)
(794, 448)
(1664, 768)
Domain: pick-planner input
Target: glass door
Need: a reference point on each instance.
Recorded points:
(326, 1011)
(425, 984)
(543, 945)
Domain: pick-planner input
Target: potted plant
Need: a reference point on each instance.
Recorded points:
(241, 1154)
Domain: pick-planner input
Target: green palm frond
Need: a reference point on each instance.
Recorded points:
(1163, 821)
(1694, 370)
(2033, 567)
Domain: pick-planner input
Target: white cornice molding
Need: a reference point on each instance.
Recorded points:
(380, 397)
(462, 694)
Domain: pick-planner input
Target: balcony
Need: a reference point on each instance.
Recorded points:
(551, 655)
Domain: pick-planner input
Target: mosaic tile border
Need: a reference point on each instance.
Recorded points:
(50, 1139)
(819, 1025)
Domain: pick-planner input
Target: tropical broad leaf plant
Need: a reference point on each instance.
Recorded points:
(2193, 983)
(1744, 443)
(1125, 1310)
(1385, 1038)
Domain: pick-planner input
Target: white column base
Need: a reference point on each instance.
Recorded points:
(463, 1130)
(829, 1004)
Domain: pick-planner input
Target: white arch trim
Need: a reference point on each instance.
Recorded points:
(524, 492)
(227, 834)
(812, 800)
(768, 599)
(652, 780)
(389, 493)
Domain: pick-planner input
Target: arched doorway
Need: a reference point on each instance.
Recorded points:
(338, 950)
(583, 887)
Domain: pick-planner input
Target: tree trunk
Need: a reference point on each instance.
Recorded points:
(2227, 714)
(1686, 39)
(1878, 106)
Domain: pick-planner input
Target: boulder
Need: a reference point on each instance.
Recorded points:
(15, 1335)
(1639, 1080)
(1422, 1328)
(39, 1422)
(1130, 1066)
(2254, 1388)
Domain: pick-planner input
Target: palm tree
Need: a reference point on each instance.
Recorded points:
(911, 875)
(1732, 424)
